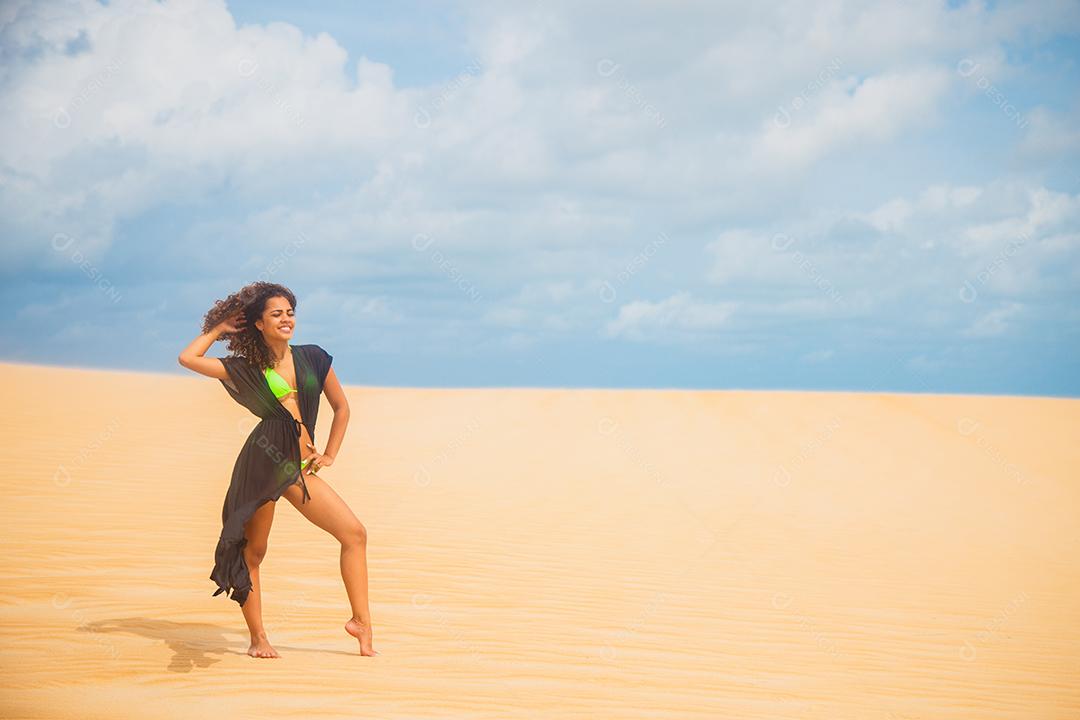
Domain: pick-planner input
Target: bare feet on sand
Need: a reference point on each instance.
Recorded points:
(361, 633)
(261, 647)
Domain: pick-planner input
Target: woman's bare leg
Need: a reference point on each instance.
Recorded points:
(257, 532)
(327, 510)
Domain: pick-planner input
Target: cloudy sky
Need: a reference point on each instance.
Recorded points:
(815, 195)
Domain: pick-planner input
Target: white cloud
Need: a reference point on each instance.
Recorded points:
(547, 309)
(168, 103)
(538, 175)
(679, 317)
(995, 322)
(1051, 135)
(926, 261)
(875, 110)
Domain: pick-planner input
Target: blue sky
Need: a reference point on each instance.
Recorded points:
(839, 195)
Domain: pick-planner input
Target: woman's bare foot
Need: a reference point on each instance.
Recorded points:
(363, 634)
(261, 647)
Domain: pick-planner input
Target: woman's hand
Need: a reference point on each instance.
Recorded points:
(231, 324)
(318, 460)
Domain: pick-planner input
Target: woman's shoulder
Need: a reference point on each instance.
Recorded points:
(314, 348)
(318, 359)
(238, 369)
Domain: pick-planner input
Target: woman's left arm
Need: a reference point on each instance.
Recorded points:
(336, 395)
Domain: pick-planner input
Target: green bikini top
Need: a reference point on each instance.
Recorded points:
(278, 385)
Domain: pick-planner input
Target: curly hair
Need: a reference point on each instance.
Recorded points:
(251, 299)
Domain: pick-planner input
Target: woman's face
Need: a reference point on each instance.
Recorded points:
(278, 321)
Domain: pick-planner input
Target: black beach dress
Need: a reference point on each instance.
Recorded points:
(269, 461)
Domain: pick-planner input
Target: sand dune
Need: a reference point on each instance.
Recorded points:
(551, 553)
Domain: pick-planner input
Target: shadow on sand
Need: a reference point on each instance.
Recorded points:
(194, 645)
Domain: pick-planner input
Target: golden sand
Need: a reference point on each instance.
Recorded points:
(550, 554)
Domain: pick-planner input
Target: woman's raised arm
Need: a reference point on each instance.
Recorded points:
(192, 357)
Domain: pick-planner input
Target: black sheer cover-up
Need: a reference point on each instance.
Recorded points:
(269, 461)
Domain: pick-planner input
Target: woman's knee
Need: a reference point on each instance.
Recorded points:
(354, 534)
(254, 554)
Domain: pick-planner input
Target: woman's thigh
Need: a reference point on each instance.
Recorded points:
(326, 509)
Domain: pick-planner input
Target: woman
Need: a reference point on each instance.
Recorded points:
(280, 383)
